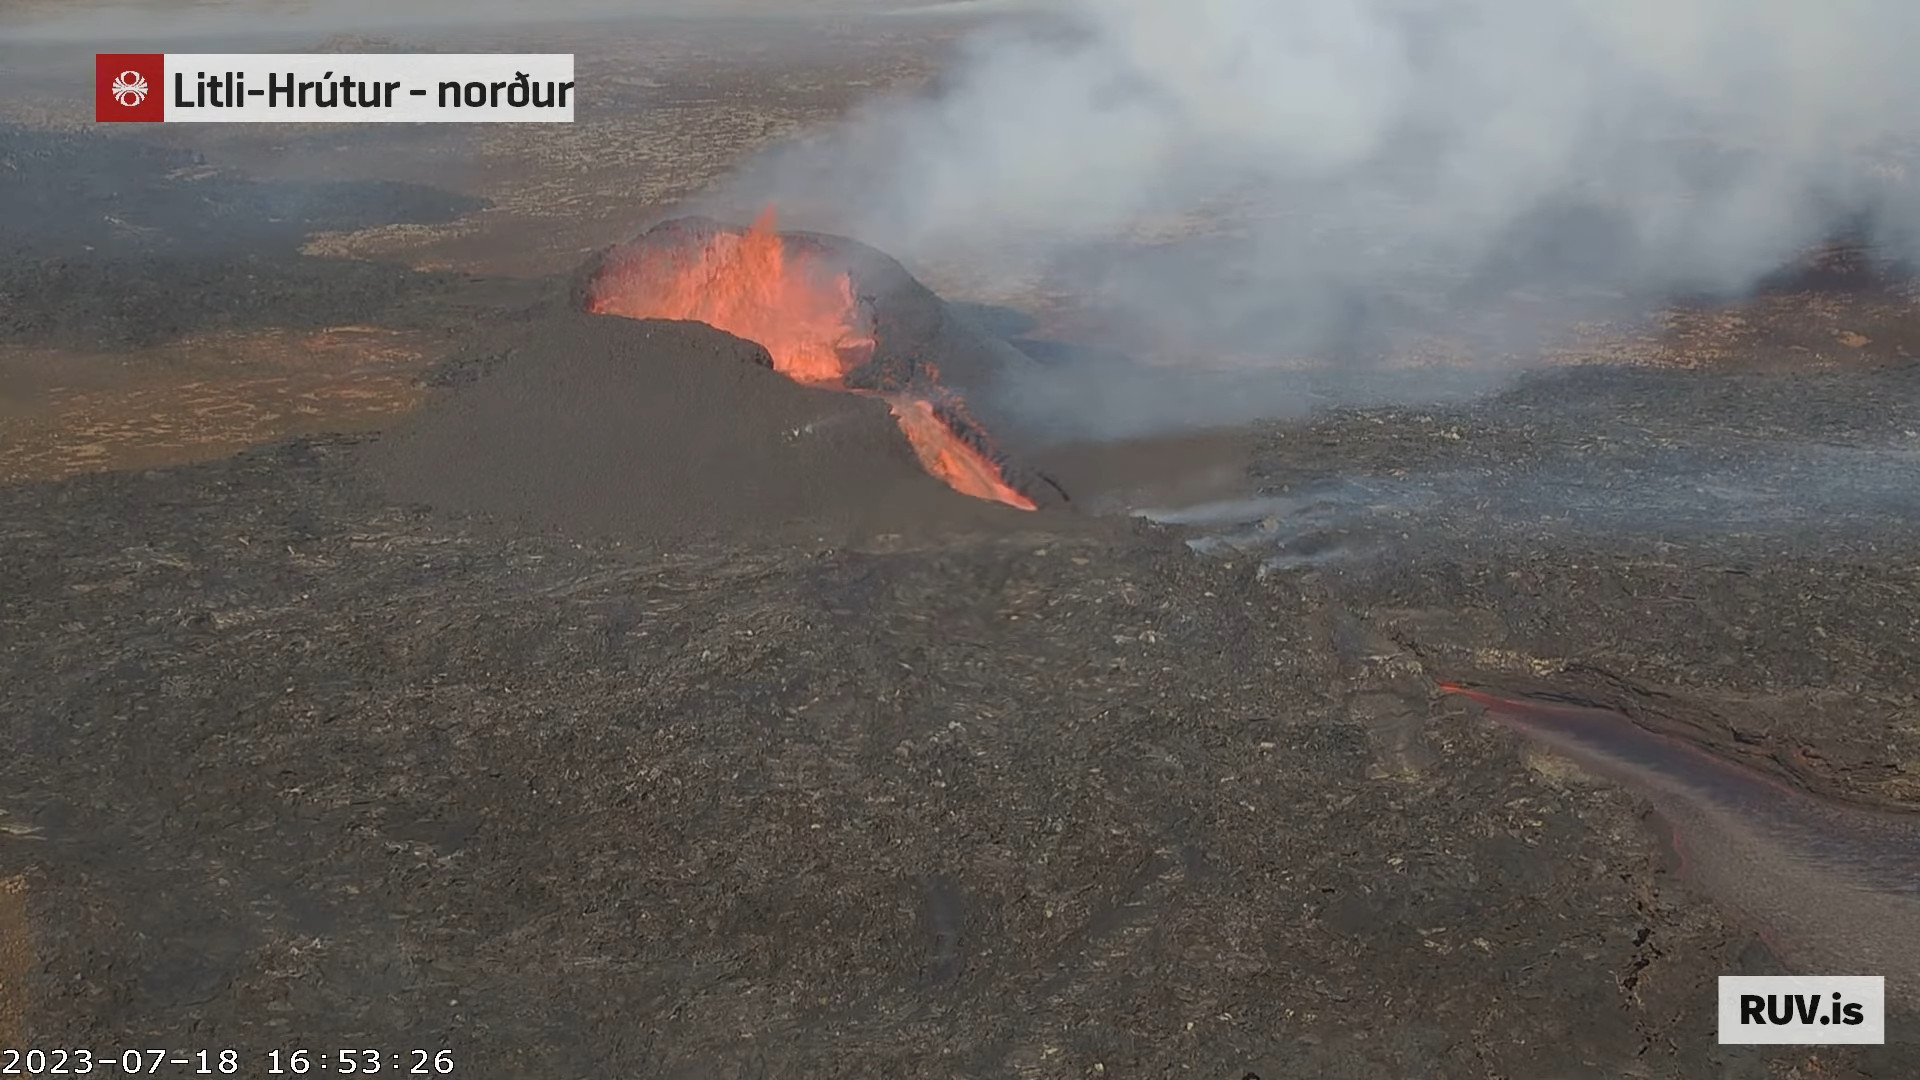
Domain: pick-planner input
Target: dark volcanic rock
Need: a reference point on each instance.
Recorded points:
(286, 758)
(112, 242)
(663, 432)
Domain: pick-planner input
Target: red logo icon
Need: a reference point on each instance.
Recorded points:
(129, 88)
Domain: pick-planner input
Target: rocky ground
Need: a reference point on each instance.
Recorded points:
(296, 762)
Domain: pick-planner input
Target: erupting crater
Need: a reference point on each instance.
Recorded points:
(830, 313)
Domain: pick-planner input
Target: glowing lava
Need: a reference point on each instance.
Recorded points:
(808, 317)
(946, 455)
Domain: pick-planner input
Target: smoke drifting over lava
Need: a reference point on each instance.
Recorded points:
(1374, 161)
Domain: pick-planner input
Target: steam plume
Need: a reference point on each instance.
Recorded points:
(1385, 159)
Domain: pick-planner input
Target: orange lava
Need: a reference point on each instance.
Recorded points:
(965, 470)
(807, 318)
(1468, 692)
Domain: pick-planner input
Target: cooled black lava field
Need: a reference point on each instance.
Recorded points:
(607, 704)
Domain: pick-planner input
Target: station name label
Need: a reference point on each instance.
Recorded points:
(334, 88)
(1807, 1010)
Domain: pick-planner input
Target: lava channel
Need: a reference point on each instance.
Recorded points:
(1830, 886)
(806, 313)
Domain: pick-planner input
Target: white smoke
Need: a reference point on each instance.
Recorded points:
(1351, 166)
(1380, 155)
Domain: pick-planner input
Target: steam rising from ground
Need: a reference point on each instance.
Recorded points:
(1256, 179)
(1786, 492)
(1351, 165)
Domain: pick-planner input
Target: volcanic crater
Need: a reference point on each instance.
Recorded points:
(705, 380)
(829, 312)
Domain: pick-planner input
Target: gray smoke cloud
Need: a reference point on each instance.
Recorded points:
(1343, 167)
(1313, 180)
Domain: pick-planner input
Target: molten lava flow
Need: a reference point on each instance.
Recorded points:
(804, 317)
(943, 453)
(1479, 697)
(810, 321)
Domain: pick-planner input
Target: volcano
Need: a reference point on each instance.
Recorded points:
(831, 313)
